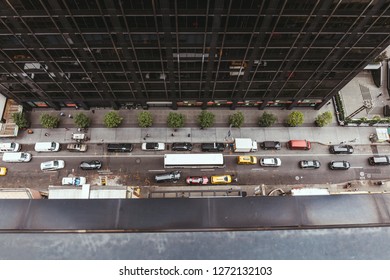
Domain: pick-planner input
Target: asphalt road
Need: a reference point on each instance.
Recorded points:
(139, 167)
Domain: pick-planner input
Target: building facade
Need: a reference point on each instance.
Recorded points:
(174, 53)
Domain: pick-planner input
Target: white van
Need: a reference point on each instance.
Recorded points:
(47, 146)
(16, 157)
(10, 147)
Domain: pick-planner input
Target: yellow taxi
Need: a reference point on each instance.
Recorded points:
(246, 160)
(221, 179)
(3, 171)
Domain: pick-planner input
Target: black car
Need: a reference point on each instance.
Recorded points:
(270, 145)
(213, 147)
(181, 147)
(341, 149)
(91, 165)
(119, 147)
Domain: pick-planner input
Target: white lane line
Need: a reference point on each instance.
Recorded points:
(160, 170)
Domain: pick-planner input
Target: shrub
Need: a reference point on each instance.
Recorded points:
(20, 120)
(237, 119)
(295, 118)
(206, 119)
(324, 119)
(175, 120)
(267, 119)
(112, 119)
(82, 120)
(145, 119)
(49, 121)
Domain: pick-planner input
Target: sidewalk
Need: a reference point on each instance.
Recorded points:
(130, 132)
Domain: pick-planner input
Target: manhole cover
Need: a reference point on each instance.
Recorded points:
(297, 178)
(361, 173)
(368, 175)
(138, 160)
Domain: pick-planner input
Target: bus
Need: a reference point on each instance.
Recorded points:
(193, 161)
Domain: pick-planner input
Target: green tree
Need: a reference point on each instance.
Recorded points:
(237, 119)
(49, 121)
(145, 119)
(82, 120)
(267, 119)
(175, 120)
(324, 119)
(295, 118)
(112, 119)
(20, 120)
(206, 119)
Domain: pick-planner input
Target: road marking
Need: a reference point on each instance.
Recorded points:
(160, 170)
(356, 167)
(257, 169)
(207, 169)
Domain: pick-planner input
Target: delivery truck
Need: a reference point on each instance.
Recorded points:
(244, 145)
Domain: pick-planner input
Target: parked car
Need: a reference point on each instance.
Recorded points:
(181, 147)
(270, 145)
(91, 165)
(52, 165)
(272, 162)
(153, 146)
(173, 176)
(77, 147)
(221, 179)
(119, 147)
(74, 181)
(309, 164)
(197, 180)
(213, 147)
(339, 165)
(341, 149)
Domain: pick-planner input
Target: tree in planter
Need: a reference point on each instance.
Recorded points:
(20, 120)
(175, 120)
(49, 121)
(82, 120)
(324, 119)
(295, 118)
(145, 119)
(206, 119)
(112, 119)
(267, 119)
(237, 119)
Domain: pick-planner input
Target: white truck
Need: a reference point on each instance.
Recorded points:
(244, 145)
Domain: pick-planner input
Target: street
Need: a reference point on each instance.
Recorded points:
(139, 167)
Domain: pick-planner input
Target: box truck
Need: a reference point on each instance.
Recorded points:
(244, 145)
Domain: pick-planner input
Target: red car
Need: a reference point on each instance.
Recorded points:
(197, 180)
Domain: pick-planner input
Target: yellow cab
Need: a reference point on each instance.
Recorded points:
(221, 179)
(3, 171)
(246, 160)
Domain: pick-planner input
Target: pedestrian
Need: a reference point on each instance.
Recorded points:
(189, 135)
(93, 111)
(70, 116)
(172, 135)
(144, 138)
(66, 128)
(46, 134)
(62, 114)
(379, 95)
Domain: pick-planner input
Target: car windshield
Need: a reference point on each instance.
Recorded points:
(151, 145)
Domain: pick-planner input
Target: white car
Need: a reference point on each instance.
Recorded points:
(52, 165)
(153, 146)
(270, 162)
(74, 181)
